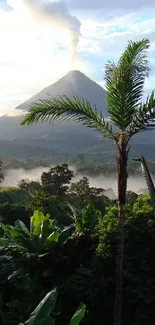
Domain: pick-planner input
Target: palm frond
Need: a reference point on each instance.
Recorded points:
(63, 108)
(125, 82)
(144, 118)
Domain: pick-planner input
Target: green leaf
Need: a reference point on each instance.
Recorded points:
(63, 108)
(14, 275)
(45, 230)
(21, 226)
(20, 240)
(17, 236)
(5, 229)
(78, 226)
(125, 83)
(46, 321)
(36, 221)
(79, 314)
(52, 239)
(43, 255)
(66, 233)
(144, 117)
(43, 310)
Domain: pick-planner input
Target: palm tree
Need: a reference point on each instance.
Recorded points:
(125, 86)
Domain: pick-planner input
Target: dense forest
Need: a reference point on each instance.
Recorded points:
(80, 163)
(79, 256)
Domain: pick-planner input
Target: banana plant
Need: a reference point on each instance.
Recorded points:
(148, 179)
(41, 236)
(44, 313)
(44, 249)
(28, 247)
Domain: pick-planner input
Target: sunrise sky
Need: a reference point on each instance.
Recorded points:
(40, 41)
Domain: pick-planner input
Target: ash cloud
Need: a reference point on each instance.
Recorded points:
(53, 13)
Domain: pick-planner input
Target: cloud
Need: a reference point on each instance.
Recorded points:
(52, 13)
(35, 53)
(107, 39)
(110, 4)
(4, 5)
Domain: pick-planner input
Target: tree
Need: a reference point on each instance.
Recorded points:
(80, 194)
(88, 218)
(52, 205)
(125, 86)
(58, 178)
(29, 185)
(9, 213)
(80, 189)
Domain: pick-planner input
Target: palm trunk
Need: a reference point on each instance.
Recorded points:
(122, 188)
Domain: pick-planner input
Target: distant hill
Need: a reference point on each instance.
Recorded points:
(66, 139)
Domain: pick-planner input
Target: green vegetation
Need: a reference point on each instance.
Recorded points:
(41, 315)
(71, 245)
(13, 202)
(13, 195)
(65, 245)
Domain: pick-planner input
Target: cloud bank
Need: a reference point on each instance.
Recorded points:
(52, 13)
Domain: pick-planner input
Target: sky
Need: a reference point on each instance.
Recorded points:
(40, 41)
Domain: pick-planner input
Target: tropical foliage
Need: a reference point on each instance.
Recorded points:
(42, 314)
(128, 114)
(80, 263)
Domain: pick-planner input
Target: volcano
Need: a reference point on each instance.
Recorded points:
(74, 83)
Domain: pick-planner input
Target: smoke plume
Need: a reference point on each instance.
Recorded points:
(54, 13)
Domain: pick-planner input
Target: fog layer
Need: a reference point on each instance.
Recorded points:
(135, 184)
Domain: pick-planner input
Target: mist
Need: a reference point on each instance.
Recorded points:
(135, 184)
(54, 13)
